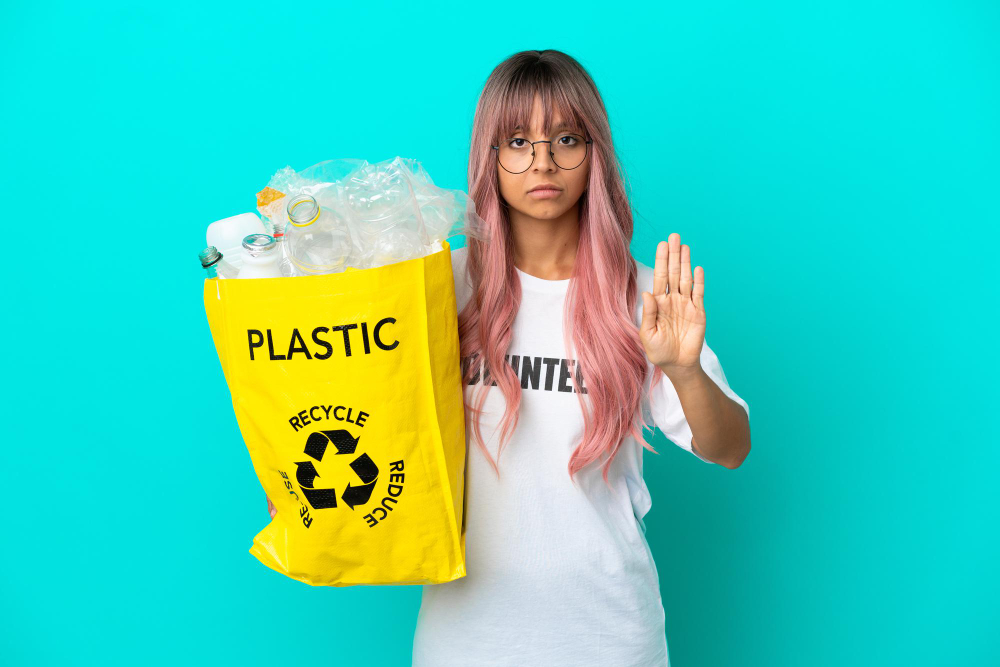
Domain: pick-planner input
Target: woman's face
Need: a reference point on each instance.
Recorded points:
(569, 183)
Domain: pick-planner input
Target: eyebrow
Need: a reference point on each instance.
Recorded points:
(560, 126)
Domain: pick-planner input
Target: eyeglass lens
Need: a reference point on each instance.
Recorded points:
(568, 152)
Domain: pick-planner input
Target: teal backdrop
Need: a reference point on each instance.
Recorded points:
(833, 165)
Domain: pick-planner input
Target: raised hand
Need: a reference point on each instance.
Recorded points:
(673, 316)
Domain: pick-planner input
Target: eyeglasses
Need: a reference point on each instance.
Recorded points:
(517, 154)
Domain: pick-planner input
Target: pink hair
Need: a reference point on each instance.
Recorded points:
(602, 290)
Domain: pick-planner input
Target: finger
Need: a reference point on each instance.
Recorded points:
(648, 313)
(698, 294)
(660, 269)
(674, 262)
(686, 270)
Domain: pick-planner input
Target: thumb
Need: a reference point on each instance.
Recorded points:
(648, 313)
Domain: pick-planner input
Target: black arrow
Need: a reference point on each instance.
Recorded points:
(341, 438)
(357, 495)
(321, 499)
(305, 474)
(365, 468)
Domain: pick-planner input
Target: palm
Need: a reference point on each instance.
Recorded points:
(673, 321)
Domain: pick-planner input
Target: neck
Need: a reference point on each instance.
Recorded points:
(546, 248)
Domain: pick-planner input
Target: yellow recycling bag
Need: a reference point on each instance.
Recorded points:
(347, 391)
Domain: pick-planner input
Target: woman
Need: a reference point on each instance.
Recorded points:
(569, 346)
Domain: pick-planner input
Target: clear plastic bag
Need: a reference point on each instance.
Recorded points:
(392, 209)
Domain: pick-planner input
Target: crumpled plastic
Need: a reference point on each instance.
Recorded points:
(392, 208)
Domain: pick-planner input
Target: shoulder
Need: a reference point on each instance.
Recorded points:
(463, 288)
(643, 277)
(643, 283)
(458, 261)
(458, 256)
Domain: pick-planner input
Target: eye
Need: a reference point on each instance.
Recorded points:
(570, 140)
(513, 142)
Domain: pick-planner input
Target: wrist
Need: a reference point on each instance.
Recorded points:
(683, 374)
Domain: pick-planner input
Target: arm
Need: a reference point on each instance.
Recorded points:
(720, 425)
(673, 335)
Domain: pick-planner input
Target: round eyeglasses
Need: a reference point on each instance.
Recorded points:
(517, 154)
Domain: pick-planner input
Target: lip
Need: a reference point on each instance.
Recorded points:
(544, 194)
(545, 191)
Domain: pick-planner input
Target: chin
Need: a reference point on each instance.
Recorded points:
(544, 210)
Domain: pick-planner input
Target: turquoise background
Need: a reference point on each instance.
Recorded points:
(832, 164)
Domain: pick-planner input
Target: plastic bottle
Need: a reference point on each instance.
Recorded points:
(317, 238)
(227, 234)
(214, 265)
(260, 257)
(278, 232)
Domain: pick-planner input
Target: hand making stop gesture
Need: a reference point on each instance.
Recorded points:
(673, 316)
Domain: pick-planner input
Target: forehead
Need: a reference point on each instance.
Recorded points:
(556, 125)
(526, 112)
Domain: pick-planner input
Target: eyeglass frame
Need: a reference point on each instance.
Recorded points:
(586, 143)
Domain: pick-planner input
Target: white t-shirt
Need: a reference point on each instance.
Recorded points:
(558, 575)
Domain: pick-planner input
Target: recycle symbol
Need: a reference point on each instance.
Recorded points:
(363, 466)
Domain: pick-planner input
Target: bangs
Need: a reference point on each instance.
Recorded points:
(516, 112)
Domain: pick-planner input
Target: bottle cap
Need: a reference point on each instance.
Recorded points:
(209, 256)
(257, 244)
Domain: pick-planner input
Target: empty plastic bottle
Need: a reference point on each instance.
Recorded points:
(214, 265)
(278, 232)
(227, 234)
(317, 238)
(260, 257)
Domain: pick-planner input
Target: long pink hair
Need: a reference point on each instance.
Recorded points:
(602, 290)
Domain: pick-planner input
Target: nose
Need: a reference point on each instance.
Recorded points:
(543, 158)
